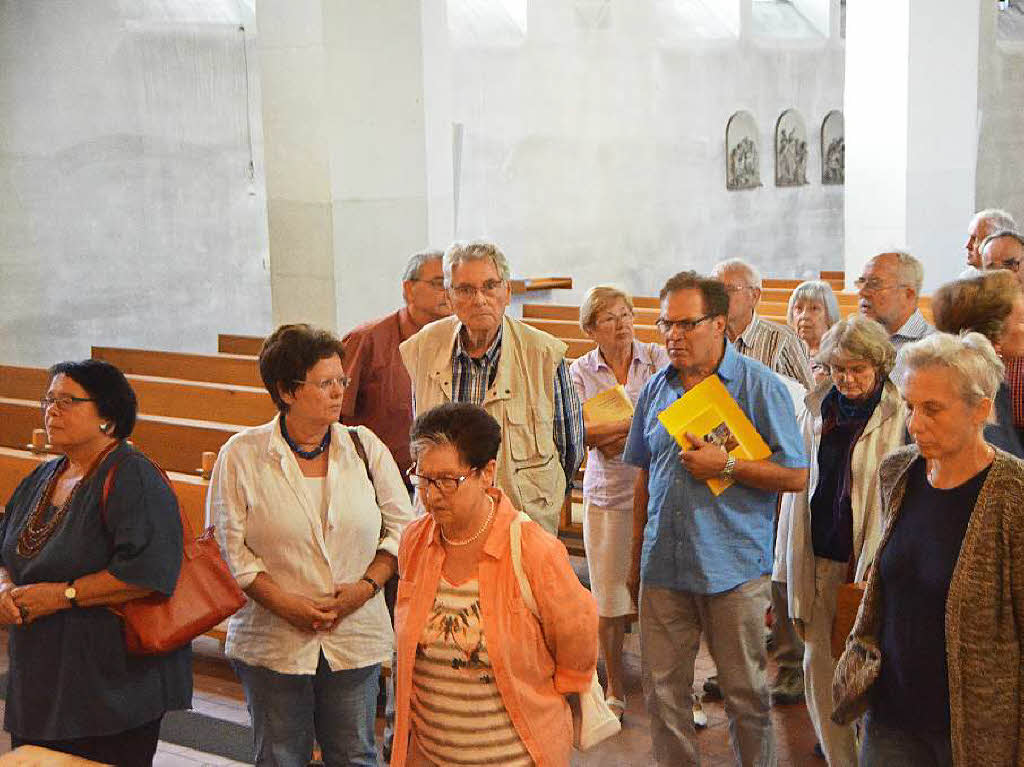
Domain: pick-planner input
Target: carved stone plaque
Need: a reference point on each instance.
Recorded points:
(833, 148)
(790, 149)
(742, 152)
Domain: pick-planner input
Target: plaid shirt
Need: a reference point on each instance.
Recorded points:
(1015, 380)
(472, 377)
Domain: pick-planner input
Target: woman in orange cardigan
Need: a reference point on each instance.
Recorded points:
(480, 680)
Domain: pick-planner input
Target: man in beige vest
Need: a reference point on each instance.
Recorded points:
(515, 372)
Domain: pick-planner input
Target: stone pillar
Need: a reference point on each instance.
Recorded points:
(910, 108)
(356, 104)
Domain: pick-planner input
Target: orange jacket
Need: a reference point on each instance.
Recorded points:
(535, 664)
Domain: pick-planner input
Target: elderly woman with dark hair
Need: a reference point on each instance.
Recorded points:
(72, 686)
(992, 304)
(481, 678)
(935, 655)
(851, 422)
(309, 515)
(811, 311)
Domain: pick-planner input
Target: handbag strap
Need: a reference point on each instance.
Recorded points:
(108, 483)
(515, 534)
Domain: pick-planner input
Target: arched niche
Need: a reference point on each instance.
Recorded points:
(833, 148)
(790, 149)
(742, 152)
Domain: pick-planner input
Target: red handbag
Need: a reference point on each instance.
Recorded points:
(206, 592)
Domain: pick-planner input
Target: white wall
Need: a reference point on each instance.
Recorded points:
(600, 153)
(127, 212)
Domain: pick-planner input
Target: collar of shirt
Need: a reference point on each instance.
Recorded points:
(597, 362)
(746, 338)
(728, 368)
(914, 328)
(489, 357)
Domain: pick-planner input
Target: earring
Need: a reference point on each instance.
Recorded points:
(105, 427)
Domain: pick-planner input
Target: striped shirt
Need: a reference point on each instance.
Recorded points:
(778, 347)
(458, 716)
(914, 329)
(1015, 380)
(471, 377)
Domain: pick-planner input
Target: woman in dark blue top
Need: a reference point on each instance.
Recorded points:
(72, 687)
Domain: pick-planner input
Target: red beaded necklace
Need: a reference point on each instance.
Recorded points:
(38, 530)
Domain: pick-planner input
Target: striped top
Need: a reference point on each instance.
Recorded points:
(778, 347)
(458, 716)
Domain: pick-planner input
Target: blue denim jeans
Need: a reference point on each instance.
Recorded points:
(338, 708)
(886, 746)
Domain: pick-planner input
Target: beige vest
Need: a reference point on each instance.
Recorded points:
(521, 399)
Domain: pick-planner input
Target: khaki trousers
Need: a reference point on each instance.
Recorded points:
(671, 623)
(837, 741)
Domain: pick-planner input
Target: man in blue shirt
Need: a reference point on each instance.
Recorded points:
(704, 561)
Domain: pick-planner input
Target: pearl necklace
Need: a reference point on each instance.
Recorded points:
(475, 535)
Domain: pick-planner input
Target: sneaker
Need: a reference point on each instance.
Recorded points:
(711, 689)
(788, 686)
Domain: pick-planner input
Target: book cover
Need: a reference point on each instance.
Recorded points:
(709, 411)
(609, 406)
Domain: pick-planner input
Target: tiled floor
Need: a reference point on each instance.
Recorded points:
(217, 694)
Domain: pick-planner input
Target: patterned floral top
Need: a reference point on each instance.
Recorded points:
(457, 713)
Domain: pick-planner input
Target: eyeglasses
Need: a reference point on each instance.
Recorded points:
(730, 289)
(684, 326)
(873, 285)
(490, 289)
(1013, 265)
(326, 384)
(62, 402)
(608, 320)
(852, 371)
(437, 283)
(446, 485)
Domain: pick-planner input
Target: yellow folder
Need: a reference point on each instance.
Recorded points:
(609, 406)
(709, 411)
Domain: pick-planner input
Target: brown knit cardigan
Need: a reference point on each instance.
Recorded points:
(984, 620)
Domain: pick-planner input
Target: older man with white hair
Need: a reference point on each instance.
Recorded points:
(775, 345)
(983, 224)
(1003, 249)
(515, 372)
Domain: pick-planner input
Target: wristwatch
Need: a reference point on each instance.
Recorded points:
(373, 584)
(730, 464)
(71, 593)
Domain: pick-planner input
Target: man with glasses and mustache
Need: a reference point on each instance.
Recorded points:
(515, 372)
(888, 290)
(379, 396)
(701, 562)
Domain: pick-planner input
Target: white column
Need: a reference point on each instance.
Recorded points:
(355, 100)
(911, 125)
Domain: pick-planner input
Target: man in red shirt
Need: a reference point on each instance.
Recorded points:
(380, 394)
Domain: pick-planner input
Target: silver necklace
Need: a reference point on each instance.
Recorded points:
(475, 535)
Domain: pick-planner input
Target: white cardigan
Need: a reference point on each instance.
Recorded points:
(266, 521)
(884, 432)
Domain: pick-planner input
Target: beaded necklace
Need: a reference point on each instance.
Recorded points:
(307, 454)
(38, 530)
(474, 536)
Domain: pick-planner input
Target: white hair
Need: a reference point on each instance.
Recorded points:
(968, 358)
(909, 271)
(749, 271)
(417, 261)
(461, 252)
(996, 218)
(817, 291)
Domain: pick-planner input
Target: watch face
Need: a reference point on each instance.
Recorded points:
(70, 592)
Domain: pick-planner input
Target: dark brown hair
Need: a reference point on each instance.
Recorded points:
(288, 354)
(716, 299)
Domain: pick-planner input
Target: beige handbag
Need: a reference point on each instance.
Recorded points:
(595, 721)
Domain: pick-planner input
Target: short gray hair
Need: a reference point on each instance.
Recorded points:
(749, 271)
(998, 235)
(480, 250)
(861, 338)
(819, 292)
(969, 357)
(909, 269)
(997, 218)
(417, 261)
(596, 299)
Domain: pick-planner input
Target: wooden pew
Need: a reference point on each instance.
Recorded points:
(177, 444)
(228, 343)
(533, 284)
(15, 465)
(226, 403)
(566, 330)
(236, 369)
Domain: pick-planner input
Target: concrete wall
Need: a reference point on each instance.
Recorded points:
(128, 211)
(1001, 111)
(600, 152)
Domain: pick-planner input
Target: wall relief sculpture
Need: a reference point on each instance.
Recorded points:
(742, 152)
(833, 148)
(790, 150)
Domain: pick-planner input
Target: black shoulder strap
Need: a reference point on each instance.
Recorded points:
(353, 432)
